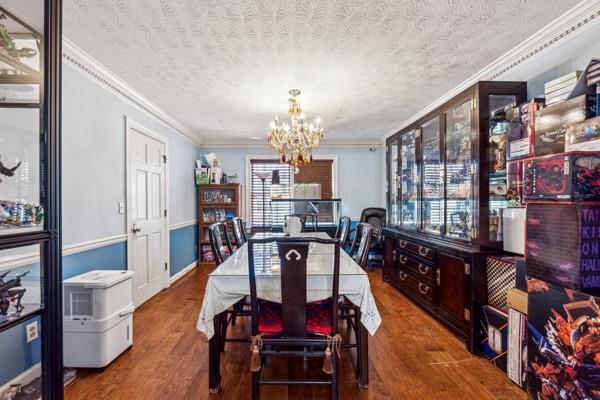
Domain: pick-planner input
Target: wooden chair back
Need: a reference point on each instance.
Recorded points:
(239, 234)
(293, 254)
(361, 244)
(343, 231)
(219, 238)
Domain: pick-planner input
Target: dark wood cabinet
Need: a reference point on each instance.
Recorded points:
(443, 218)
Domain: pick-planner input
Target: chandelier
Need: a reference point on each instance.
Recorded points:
(295, 141)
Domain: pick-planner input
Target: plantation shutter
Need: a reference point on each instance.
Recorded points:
(274, 213)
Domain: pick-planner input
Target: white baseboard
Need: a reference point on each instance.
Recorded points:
(183, 272)
(23, 378)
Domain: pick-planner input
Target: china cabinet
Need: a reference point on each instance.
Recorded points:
(30, 244)
(446, 181)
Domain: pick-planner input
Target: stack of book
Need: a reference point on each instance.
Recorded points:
(559, 89)
(593, 73)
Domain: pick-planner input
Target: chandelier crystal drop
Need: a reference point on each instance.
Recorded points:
(295, 141)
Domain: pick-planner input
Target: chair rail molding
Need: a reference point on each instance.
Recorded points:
(77, 58)
(580, 18)
(183, 224)
(20, 260)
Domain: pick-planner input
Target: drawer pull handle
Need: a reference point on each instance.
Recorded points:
(424, 270)
(423, 291)
(402, 259)
(402, 243)
(438, 277)
(423, 251)
(403, 275)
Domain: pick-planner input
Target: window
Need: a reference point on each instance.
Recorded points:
(315, 180)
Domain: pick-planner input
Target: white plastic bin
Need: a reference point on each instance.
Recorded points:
(98, 317)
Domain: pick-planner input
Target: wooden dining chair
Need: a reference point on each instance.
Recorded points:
(293, 328)
(239, 233)
(219, 242)
(343, 231)
(361, 244)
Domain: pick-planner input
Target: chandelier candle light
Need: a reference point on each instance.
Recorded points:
(296, 141)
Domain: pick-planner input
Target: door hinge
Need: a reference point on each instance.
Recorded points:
(473, 103)
(165, 158)
(473, 169)
(418, 132)
(467, 269)
(467, 314)
(165, 212)
(166, 266)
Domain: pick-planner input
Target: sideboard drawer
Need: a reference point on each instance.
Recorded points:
(417, 249)
(420, 289)
(419, 268)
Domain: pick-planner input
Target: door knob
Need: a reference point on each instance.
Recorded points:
(135, 229)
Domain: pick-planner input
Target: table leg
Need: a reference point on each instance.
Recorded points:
(214, 357)
(363, 357)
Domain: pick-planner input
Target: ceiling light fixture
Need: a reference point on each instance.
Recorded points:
(295, 141)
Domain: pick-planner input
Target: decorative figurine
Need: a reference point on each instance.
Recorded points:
(8, 43)
(11, 291)
(8, 171)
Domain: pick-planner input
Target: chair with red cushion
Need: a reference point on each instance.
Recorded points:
(293, 328)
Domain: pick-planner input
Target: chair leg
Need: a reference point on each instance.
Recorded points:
(334, 378)
(357, 335)
(255, 386)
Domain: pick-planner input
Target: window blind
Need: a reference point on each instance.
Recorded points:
(274, 213)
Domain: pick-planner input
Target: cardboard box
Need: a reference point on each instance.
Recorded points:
(517, 300)
(563, 245)
(514, 178)
(500, 272)
(521, 131)
(567, 177)
(516, 368)
(562, 351)
(551, 122)
(583, 136)
(492, 331)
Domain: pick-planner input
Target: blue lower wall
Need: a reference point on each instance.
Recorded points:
(184, 247)
(18, 355)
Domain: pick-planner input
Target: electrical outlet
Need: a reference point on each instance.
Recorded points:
(121, 207)
(31, 330)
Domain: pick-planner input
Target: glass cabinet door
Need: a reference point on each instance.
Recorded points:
(409, 180)
(432, 178)
(498, 130)
(459, 183)
(21, 77)
(394, 212)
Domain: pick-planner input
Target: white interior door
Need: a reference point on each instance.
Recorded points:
(147, 244)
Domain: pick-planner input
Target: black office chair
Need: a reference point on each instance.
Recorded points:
(376, 217)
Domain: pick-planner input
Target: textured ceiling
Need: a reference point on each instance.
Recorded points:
(223, 68)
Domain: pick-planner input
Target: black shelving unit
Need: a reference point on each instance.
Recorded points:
(45, 77)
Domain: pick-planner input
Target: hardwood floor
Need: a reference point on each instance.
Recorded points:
(411, 357)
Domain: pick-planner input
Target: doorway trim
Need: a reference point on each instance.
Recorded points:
(130, 125)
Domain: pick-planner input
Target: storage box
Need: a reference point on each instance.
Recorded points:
(584, 136)
(562, 351)
(567, 177)
(521, 132)
(514, 178)
(513, 230)
(563, 245)
(500, 272)
(517, 347)
(492, 331)
(517, 300)
(551, 122)
(98, 317)
(521, 274)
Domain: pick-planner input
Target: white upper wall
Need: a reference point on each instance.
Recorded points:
(93, 128)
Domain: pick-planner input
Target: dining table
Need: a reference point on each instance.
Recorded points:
(229, 283)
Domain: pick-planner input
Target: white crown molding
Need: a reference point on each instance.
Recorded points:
(183, 272)
(184, 224)
(573, 22)
(259, 144)
(32, 258)
(76, 57)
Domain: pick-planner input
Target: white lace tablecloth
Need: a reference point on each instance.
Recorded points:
(229, 283)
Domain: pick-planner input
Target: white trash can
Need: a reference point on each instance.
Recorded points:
(98, 317)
